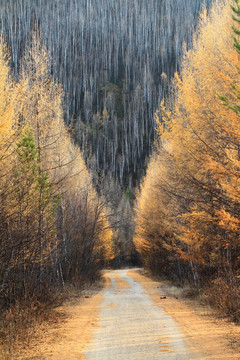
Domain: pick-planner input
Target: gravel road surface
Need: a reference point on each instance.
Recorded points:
(132, 327)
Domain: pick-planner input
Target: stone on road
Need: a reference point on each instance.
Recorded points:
(132, 327)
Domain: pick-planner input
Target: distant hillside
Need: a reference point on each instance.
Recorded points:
(114, 59)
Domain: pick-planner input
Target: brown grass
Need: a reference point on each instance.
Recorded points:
(18, 326)
(55, 332)
(224, 297)
(215, 338)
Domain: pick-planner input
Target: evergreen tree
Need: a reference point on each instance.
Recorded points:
(236, 17)
(31, 224)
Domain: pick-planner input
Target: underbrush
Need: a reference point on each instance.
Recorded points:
(221, 294)
(224, 296)
(20, 322)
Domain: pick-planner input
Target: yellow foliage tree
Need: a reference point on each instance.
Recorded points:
(7, 121)
(10, 105)
(198, 159)
(42, 108)
(86, 231)
(53, 225)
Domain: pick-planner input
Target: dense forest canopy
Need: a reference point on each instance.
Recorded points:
(114, 60)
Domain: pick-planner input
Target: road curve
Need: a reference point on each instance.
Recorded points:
(132, 327)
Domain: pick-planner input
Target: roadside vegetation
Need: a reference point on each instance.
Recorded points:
(187, 213)
(54, 228)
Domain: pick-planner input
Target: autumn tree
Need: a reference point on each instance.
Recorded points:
(54, 226)
(195, 190)
(80, 210)
(10, 104)
(83, 224)
(28, 252)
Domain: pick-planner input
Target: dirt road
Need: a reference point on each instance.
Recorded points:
(132, 327)
(134, 318)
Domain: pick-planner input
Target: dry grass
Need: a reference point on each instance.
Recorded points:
(223, 297)
(217, 338)
(18, 326)
(25, 322)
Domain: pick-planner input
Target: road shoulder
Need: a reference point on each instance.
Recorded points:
(65, 338)
(204, 333)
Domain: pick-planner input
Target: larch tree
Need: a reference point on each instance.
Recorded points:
(10, 105)
(54, 227)
(42, 104)
(198, 158)
(31, 193)
(58, 155)
(84, 229)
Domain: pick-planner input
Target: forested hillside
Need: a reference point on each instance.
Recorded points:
(114, 60)
(187, 223)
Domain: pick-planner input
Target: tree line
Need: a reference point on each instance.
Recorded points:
(54, 228)
(187, 213)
